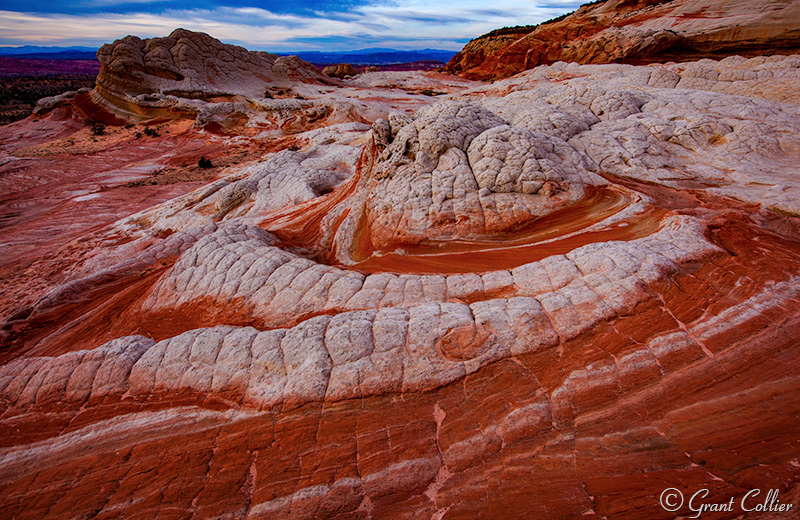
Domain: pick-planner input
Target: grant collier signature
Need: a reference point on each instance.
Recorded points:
(672, 500)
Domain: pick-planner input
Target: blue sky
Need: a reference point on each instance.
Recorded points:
(278, 26)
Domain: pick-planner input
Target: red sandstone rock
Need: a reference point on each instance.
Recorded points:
(637, 32)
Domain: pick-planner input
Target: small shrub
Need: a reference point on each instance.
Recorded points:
(517, 29)
(98, 128)
(204, 163)
(150, 132)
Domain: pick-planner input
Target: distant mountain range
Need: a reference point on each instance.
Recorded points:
(38, 51)
(372, 56)
(375, 56)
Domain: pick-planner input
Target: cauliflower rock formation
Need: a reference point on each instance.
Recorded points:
(193, 65)
(193, 75)
(453, 171)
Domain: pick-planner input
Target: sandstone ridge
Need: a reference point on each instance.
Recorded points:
(636, 32)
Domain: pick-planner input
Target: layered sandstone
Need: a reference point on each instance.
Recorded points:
(550, 297)
(636, 32)
(190, 75)
(340, 71)
(171, 74)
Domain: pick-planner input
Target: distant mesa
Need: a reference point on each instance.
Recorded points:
(636, 32)
(50, 53)
(30, 50)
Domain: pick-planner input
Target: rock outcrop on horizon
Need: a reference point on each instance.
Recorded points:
(195, 66)
(192, 75)
(636, 32)
(340, 70)
(549, 297)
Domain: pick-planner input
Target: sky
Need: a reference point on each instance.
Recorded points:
(277, 26)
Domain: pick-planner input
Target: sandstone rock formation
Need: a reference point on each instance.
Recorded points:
(636, 32)
(549, 297)
(194, 65)
(228, 90)
(159, 75)
(340, 71)
(191, 75)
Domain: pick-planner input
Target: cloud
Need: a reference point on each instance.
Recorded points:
(113, 3)
(417, 24)
(88, 7)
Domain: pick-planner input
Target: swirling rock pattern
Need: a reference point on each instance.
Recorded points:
(549, 297)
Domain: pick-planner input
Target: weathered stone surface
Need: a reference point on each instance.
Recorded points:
(549, 297)
(192, 65)
(226, 89)
(341, 70)
(636, 32)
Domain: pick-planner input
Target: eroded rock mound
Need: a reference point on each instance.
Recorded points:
(637, 32)
(340, 71)
(187, 75)
(447, 173)
(193, 65)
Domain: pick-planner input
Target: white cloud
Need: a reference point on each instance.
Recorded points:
(417, 24)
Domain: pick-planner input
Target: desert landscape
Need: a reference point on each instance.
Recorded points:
(555, 279)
